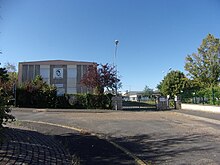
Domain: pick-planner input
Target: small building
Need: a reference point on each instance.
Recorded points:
(65, 75)
(132, 95)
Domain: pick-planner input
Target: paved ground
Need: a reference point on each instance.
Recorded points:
(56, 145)
(24, 146)
(158, 137)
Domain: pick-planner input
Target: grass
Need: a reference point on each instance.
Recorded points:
(136, 103)
(150, 102)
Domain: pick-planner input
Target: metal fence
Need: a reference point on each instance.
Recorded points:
(200, 100)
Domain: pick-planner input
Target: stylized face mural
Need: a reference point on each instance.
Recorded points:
(58, 73)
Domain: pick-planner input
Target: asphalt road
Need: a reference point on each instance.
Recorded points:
(168, 137)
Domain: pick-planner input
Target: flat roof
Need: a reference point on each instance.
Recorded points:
(57, 62)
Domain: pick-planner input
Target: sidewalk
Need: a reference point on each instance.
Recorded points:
(198, 113)
(23, 146)
(55, 145)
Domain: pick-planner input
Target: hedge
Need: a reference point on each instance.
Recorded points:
(49, 99)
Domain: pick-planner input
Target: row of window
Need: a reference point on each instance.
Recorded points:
(45, 72)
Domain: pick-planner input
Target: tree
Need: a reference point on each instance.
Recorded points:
(4, 97)
(204, 66)
(12, 76)
(159, 86)
(91, 78)
(3, 75)
(148, 91)
(174, 83)
(100, 77)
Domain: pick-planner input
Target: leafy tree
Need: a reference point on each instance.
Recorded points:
(174, 83)
(36, 93)
(91, 79)
(159, 86)
(12, 77)
(101, 77)
(204, 66)
(3, 75)
(4, 97)
(148, 91)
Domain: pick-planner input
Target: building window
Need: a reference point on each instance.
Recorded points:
(71, 72)
(45, 74)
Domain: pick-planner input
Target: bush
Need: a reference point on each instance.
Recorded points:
(89, 101)
(62, 102)
(37, 94)
(38, 98)
(4, 97)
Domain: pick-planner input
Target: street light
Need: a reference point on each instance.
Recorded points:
(115, 65)
(116, 85)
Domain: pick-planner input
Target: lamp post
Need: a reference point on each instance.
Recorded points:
(116, 84)
(115, 65)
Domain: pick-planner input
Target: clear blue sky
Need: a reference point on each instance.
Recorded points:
(154, 35)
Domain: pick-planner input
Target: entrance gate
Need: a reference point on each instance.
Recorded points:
(139, 105)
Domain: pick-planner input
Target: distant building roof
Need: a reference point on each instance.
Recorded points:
(132, 93)
(46, 62)
(135, 92)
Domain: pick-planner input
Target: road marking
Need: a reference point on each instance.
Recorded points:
(127, 152)
(137, 160)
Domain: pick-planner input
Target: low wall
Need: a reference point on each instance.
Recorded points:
(208, 108)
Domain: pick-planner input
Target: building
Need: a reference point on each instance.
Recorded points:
(65, 75)
(133, 95)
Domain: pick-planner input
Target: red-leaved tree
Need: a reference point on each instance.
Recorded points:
(100, 77)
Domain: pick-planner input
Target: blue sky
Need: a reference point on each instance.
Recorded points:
(153, 35)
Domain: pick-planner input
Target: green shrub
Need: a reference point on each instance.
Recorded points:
(90, 101)
(4, 98)
(37, 94)
(48, 99)
(62, 102)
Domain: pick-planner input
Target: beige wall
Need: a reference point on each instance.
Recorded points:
(72, 74)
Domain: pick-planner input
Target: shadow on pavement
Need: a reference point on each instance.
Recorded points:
(92, 150)
(151, 148)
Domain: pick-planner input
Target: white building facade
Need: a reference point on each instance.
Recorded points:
(65, 75)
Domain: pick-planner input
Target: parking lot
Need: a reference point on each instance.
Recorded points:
(160, 137)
